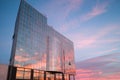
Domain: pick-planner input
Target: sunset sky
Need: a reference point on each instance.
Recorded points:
(93, 25)
(100, 68)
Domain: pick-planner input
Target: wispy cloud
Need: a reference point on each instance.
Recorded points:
(82, 41)
(93, 68)
(98, 9)
(61, 9)
(107, 51)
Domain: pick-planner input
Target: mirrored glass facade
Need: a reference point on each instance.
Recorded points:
(36, 45)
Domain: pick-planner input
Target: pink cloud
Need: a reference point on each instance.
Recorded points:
(86, 74)
(60, 9)
(97, 10)
(107, 51)
(82, 41)
(96, 75)
(93, 69)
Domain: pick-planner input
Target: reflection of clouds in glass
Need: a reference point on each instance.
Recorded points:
(38, 45)
(21, 59)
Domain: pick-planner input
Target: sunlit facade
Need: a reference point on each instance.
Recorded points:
(38, 46)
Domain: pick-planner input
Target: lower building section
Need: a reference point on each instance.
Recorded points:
(20, 73)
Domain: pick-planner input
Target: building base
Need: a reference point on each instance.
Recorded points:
(20, 73)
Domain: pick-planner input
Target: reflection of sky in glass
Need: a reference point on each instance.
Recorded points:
(39, 46)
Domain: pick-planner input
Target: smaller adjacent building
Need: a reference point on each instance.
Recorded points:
(39, 52)
(3, 71)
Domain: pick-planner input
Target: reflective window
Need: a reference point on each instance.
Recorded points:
(23, 73)
(39, 46)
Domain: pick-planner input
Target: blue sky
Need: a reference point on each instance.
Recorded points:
(93, 25)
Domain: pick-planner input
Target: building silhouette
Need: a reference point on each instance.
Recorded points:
(39, 52)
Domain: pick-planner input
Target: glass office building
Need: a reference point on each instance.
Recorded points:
(38, 50)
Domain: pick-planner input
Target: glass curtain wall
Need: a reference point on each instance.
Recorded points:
(39, 46)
